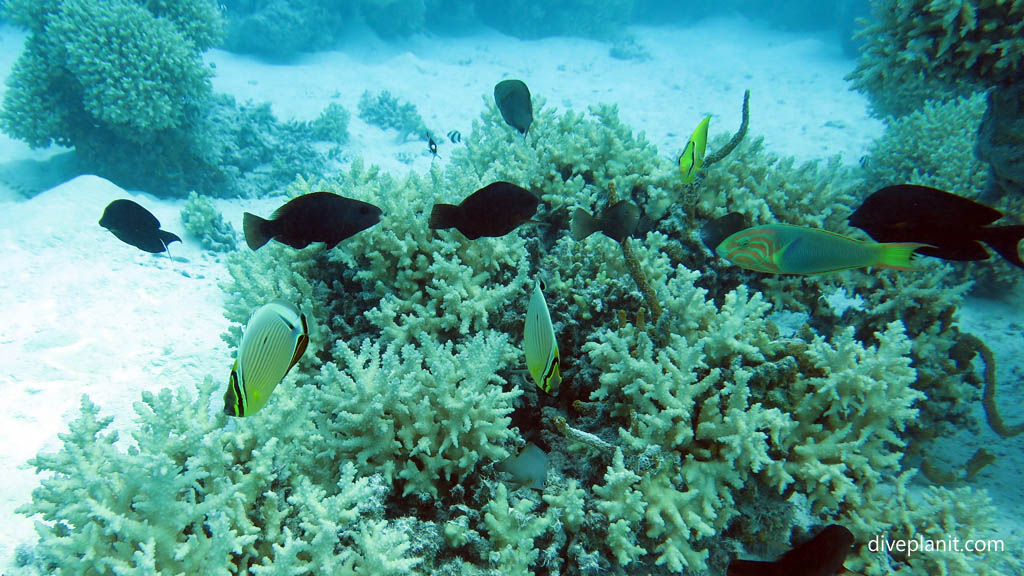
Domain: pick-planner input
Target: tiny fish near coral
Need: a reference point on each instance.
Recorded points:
(617, 222)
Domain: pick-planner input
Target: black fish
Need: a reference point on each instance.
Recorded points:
(431, 145)
(952, 224)
(513, 100)
(617, 222)
(133, 224)
(719, 229)
(822, 555)
(316, 217)
(494, 210)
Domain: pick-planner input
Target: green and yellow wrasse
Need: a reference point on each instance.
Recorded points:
(692, 158)
(273, 341)
(784, 249)
(539, 344)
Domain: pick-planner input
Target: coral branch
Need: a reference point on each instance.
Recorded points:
(988, 399)
(724, 151)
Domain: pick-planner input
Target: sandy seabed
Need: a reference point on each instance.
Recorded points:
(83, 313)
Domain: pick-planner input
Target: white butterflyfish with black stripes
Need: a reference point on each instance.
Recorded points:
(539, 343)
(274, 339)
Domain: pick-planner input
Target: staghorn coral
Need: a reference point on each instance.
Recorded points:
(916, 49)
(190, 495)
(932, 146)
(406, 394)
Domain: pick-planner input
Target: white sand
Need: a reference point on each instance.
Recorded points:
(84, 313)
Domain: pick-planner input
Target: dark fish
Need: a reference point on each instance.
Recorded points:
(954, 226)
(717, 230)
(513, 100)
(822, 555)
(494, 210)
(454, 137)
(133, 224)
(316, 217)
(617, 222)
(431, 145)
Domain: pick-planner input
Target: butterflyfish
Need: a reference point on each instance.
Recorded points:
(617, 222)
(315, 217)
(785, 249)
(512, 98)
(494, 210)
(822, 555)
(692, 158)
(539, 343)
(133, 224)
(274, 339)
(955, 226)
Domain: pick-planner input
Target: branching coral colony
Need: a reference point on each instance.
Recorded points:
(717, 432)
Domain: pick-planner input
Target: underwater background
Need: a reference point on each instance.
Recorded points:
(706, 412)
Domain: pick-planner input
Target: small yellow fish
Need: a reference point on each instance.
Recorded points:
(274, 339)
(692, 158)
(539, 344)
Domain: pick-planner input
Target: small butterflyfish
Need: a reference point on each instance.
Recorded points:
(274, 339)
(692, 158)
(539, 343)
(315, 217)
(494, 210)
(955, 226)
(822, 555)
(133, 224)
(617, 222)
(512, 98)
(785, 249)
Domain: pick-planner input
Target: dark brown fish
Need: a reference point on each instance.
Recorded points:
(513, 100)
(494, 210)
(717, 230)
(822, 555)
(133, 224)
(617, 222)
(316, 217)
(953, 225)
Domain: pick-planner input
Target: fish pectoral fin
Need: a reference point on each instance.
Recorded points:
(300, 349)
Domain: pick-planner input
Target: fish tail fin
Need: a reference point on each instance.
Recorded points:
(583, 224)
(443, 216)
(751, 568)
(1005, 240)
(897, 255)
(255, 230)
